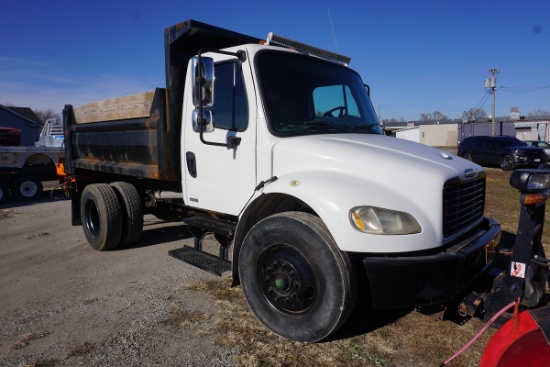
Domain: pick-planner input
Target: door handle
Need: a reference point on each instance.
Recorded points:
(191, 164)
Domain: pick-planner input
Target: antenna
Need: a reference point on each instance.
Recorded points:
(333, 34)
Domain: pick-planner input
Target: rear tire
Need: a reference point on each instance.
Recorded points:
(27, 188)
(507, 163)
(4, 193)
(132, 212)
(294, 277)
(101, 216)
(467, 156)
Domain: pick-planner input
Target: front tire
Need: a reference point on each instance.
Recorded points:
(507, 163)
(294, 277)
(101, 216)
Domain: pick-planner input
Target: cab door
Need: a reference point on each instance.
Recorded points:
(218, 178)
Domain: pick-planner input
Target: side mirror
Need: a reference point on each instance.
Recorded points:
(367, 88)
(203, 81)
(207, 121)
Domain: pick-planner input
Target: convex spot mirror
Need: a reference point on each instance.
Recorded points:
(208, 121)
(203, 81)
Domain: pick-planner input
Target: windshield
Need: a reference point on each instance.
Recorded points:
(305, 95)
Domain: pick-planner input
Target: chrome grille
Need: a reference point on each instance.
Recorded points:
(463, 204)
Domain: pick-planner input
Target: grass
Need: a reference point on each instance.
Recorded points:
(405, 338)
(27, 338)
(502, 204)
(6, 213)
(42, 363)
(81, 349)
(371, 337)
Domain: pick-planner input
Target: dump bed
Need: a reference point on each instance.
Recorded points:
(117, 136)
(139, 135)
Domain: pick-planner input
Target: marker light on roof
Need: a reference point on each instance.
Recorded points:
(302, 47)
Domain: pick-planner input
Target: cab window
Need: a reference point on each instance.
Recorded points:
(230, 108)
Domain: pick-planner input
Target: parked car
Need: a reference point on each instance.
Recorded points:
(504, 151)
(540, 144)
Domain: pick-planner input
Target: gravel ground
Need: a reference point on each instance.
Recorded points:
(64, 304)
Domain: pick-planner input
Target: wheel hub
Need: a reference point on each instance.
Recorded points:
(287, 281)
(28, 189)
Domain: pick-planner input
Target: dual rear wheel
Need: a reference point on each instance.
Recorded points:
(112, 215)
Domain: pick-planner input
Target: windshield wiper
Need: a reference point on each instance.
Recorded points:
(317, 122)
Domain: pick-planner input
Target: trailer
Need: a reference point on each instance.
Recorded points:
(274, 147)
(23, 169)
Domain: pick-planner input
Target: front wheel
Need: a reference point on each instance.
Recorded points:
(507, 163)
(294, 277)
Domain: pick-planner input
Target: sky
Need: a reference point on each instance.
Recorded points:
(417, 56)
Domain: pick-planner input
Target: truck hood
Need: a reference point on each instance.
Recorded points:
(335, 173)
(372, 158)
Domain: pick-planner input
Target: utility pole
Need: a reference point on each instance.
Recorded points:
(491, 83)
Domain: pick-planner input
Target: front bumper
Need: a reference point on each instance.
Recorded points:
(527, 161)
(424, 279)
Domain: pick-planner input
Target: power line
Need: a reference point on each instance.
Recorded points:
(483, 100)
(528, 89)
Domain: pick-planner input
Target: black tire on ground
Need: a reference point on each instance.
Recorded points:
(132, 212)
(467, 156)
(4, 193)
(507, 163)
(101, 216)
(294, 277)
(27, 187)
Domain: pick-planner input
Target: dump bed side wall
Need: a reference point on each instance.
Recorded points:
(138, 147)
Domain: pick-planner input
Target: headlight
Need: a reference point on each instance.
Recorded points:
(538, 182)
(530, 180)
(374, 220)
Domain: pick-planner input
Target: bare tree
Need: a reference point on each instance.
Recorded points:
(425, 117)
(539, 113)
(435, 116)
(43, 115)
(438, 116)
(475, 115)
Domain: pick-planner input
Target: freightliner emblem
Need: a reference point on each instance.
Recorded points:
(469, 173)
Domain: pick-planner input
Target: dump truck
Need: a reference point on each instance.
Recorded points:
(24, 168)
(273, 148)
